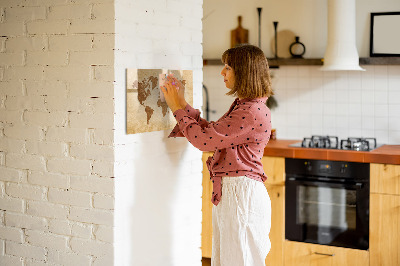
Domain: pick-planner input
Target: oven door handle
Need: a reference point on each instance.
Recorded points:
(357, 185)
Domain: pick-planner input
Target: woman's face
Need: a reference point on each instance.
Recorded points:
(229, 76)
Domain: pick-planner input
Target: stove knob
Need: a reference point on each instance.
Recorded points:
(343, 168)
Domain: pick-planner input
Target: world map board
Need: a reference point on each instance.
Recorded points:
(146, 111)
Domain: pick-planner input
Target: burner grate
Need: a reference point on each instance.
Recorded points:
(327, 142)
(358, 144)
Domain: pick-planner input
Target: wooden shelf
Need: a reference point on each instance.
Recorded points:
(274, 63)
(380, 61)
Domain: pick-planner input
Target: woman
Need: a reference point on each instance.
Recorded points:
(242, 208)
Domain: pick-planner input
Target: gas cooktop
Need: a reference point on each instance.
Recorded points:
(332, 142)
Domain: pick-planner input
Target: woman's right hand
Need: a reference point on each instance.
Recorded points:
(181, 91)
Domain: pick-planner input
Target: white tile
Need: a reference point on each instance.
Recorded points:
(355, 75)
(342, 81)
(342, 109)
(367, 133)
(394, 137)
(381, 97)
(382, 123)
(317, 131)
(369, 70)
(394, 97)
(355, 122)
(368, 110)
(367, 96)
(394, 110)
(304, 109)
(303, 82)
(342, 96)
(355, 96)
(329, 109)
(317, 95)
(382, 136)
(291, 71)
(367, 83)
(292, 83)
(329, 94)
(394, 70)
(381, 84)
(317, 120)
(394, 123)
(329, 122)
(316, 72)
(382, 110)
(317, 107)
(381, 71)
(278, 83)
(354, 82)
(355, 132)
(316, 82)
(342, 133)
(342, 122)
(368, 122)
(355, 109)
(394, 83)
(304, 72)
(328, 74)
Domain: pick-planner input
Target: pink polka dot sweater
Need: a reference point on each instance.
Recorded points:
(238, 139)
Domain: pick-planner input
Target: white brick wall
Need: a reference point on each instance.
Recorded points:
(56, 132)
(156, 177)
(62, 138)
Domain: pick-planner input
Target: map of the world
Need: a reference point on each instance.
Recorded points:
(146, 111)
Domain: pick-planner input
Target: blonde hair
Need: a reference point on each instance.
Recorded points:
(250, 66)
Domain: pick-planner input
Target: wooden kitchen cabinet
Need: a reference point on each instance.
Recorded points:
(305, 254)
(274, 168)
(277, 233)
(385, 178)
(206, 225)
(384, 236)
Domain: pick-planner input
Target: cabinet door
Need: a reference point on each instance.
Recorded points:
(274, 168)
(384, 230)
(277, 233)
(206, 226)
(385, 178)
(304, 254)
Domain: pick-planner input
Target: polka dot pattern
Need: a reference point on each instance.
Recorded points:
(238, 139)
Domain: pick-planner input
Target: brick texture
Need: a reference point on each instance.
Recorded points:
(56, 121)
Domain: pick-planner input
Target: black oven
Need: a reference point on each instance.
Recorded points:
(327, 202)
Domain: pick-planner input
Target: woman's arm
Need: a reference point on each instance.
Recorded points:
(237, 128)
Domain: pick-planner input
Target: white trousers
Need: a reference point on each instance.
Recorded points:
(241, 223)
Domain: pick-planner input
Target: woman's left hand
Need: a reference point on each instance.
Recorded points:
(171, 94)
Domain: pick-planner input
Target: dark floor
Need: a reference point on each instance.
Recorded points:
(206, 261)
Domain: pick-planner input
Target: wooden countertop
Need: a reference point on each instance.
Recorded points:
(389, 154)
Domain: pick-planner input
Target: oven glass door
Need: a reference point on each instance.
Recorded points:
(326, 213)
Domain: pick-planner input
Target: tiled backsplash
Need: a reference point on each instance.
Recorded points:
(314, 102)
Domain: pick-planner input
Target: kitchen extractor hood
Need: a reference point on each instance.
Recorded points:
(341, 51)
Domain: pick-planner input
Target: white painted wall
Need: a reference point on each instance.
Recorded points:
(305, 18)
(56, 132)
(344, 103)
(158, 180)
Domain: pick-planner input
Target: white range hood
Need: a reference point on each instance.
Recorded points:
(341, 51)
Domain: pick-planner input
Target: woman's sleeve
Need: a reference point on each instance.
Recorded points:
(193, 113)
(229, 131)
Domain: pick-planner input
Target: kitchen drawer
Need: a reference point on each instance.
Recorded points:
(305, 254)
